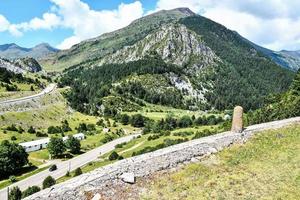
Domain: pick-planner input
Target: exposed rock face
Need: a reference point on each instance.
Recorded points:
(237, 120)
(146, 164)
(28, 64)
(174, 43)
(11, 66)
(21, 65)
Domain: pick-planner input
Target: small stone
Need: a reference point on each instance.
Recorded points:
(194, 160)
(128, 178)
(97, 197)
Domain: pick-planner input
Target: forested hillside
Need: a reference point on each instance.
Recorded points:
(279, 106)
(197, 64)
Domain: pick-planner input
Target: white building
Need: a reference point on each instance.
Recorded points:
(42, 143)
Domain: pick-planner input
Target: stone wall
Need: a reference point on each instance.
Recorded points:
(151, 162)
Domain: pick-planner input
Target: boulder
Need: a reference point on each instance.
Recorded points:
(128, 178)
(97, 197)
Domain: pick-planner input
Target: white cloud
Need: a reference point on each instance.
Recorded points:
(68, 42)
(4, 24)
(271, 23)
(87, 23)
(79, 17)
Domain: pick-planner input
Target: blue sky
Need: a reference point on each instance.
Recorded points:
(61, 23)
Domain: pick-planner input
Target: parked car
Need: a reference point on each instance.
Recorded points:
(53, 168)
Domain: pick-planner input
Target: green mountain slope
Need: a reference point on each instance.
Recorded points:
(184, 61)
(96, 48)
(280, 106)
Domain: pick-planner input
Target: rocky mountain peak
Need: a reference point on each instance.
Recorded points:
(185, 11)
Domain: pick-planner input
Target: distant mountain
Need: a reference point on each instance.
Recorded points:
(13, 51)
(174, 58)
(20, 65)
(286, 59)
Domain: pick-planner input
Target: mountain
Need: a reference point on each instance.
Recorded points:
(108, 43)
(287, 59)
(174, 58)
(20, 65)
(291, 59)
(13, 51)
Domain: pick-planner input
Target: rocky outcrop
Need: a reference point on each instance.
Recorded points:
(149, 163)
(21, 65)
(174, 43)
(28, 64)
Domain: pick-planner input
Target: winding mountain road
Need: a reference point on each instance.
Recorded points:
(68, 165)
(50, 88)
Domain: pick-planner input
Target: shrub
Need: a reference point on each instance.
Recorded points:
(113, 156)
(12, 179)
(15, 194)
(48, 182)
(12, 128)
(31, 130)
(30, 190)
(77, 171)
(13, 138)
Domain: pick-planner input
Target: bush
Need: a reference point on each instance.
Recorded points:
(13, 179)
(153, 137)
(106, 139)
(31, 130)
(30, 190)
(13, 138)
(15, 194)
(124, 119)
(118, 146)
(48, 182)
(12, 128)
(54, 129)
(113, 156)
(40, 134)
(137, 120)
(77, 171)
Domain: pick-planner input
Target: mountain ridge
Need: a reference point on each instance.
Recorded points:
(14, 51)
(189, 62)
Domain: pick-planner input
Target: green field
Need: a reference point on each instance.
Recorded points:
(266, 167)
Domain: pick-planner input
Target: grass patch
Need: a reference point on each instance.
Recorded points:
(6, 183)
(266, 167)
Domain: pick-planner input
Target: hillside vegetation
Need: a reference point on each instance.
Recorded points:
(240, 172)
(188, 62)
(279, 106)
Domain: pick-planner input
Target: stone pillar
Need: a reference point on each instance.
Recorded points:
(237, 120)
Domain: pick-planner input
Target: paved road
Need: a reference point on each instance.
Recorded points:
(47, 90)
(63, 167)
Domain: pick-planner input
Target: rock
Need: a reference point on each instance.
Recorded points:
(237, 120)
(128, 178)
(194, 160)
(97, 197)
